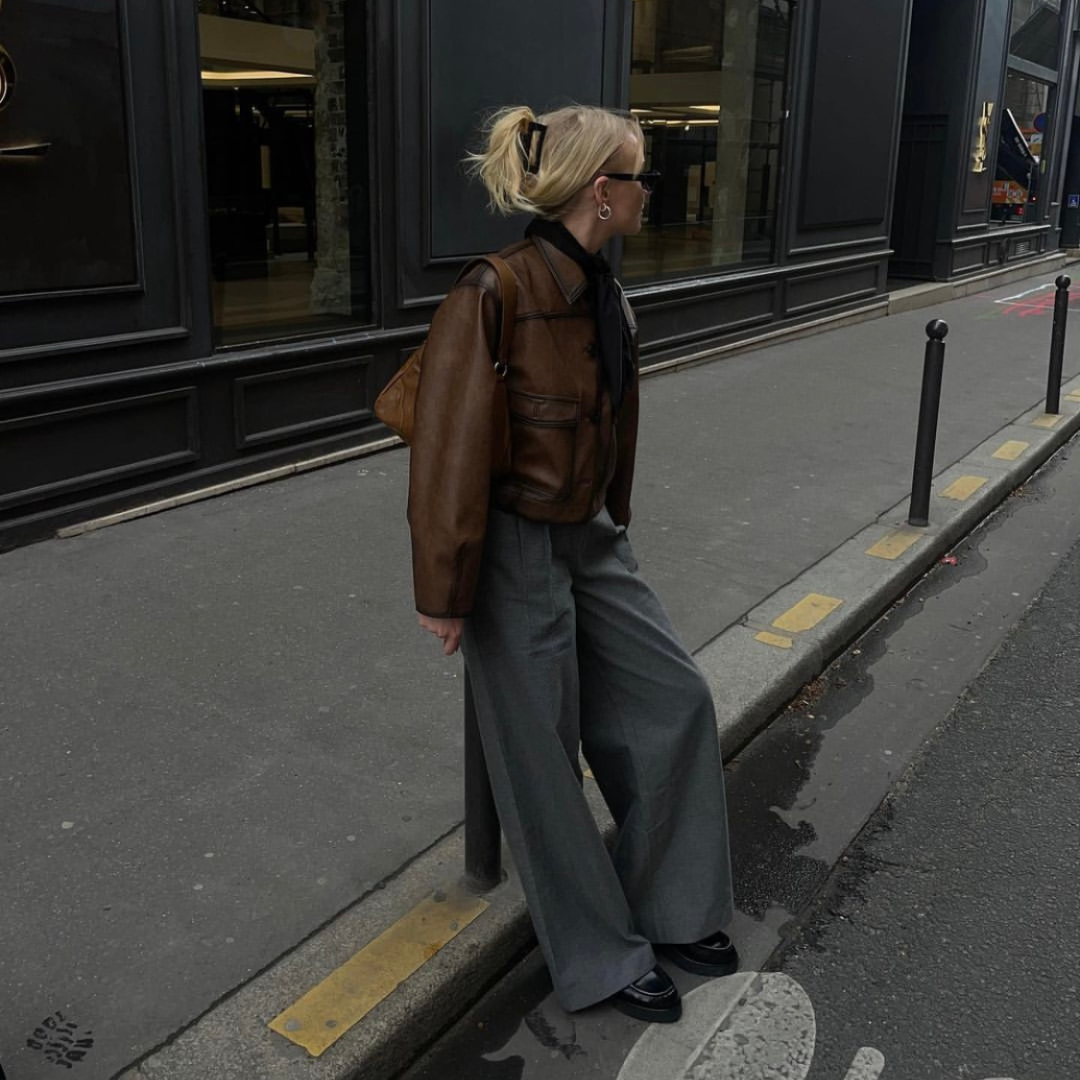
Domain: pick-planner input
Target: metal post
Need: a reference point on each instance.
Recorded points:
(926, 439)
(1057, 345)
(483, 837)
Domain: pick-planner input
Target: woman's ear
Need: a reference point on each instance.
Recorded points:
(600, 190)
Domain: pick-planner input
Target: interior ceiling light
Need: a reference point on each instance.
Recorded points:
(249, 75)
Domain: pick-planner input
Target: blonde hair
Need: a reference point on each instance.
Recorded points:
(580, 140)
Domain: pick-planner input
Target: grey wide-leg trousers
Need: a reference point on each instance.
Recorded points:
(566, 644)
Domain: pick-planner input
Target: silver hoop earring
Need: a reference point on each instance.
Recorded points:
(604, 212)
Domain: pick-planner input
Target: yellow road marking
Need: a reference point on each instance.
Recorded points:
(807, 613)
(963, 488)
(894, 544)
(1011, 450)
(1047, 420)
(777, 641)
(318, 1019)
(1073, 395)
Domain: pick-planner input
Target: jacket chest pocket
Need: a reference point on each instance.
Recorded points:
(544, 433)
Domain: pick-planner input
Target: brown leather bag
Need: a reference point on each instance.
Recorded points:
(396, 405)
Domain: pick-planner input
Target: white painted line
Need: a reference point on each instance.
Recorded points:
(743, 1027)
(1026, 292)
(869, 1064)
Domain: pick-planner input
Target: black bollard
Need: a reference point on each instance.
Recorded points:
(483, 837)
(925, 440)
(1057, 345)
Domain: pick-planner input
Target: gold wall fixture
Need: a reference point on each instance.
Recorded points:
(982, 139)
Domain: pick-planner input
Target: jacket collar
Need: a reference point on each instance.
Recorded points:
(567, 274)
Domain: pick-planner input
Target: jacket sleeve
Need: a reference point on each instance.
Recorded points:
(626, 430)
(450, 462)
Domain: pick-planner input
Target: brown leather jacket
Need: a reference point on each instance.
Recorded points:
(564, 436)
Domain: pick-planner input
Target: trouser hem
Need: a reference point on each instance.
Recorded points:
(629, 970)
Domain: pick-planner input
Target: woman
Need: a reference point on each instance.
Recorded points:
(533, 575)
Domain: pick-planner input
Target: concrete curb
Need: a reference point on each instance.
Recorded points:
(751, 682)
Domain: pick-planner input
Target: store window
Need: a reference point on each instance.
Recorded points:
(708, 81)
(287, 233)
(1020, 160)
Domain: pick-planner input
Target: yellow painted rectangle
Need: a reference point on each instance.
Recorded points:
(807, 613)
(894, 544)
(1073, 396)
(963, 488)
(777, 641)
(318, 1019)
(1011, 450)
(1047, 420)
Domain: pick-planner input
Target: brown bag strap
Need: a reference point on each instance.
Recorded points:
(509, 290)
(508, 287)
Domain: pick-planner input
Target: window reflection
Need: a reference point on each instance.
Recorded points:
(1020, 151)
(1035, 31)
(707, 83)
(277, 166)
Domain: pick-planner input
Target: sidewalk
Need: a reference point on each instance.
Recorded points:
(222, 727)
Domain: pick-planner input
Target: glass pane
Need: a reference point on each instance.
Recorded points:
(285, 243)
(707, 83)
(1019, 161)
(1035, 31)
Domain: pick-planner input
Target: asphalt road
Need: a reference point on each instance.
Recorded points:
(948, 938)
(905, 845)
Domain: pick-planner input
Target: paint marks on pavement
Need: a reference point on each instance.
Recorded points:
(326, 1012)
(1034, 302)
(963, 487)
(894, 544)
(807, 613)
(750, 1026)
(1047, 420)
(1010, 450)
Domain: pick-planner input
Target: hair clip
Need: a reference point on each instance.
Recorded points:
(530, 153)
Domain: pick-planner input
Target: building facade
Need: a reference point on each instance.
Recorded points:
(225, 223)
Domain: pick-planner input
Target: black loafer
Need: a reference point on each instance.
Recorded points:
(653, 997)
(714, 955)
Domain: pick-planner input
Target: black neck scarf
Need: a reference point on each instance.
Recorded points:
(612, 329)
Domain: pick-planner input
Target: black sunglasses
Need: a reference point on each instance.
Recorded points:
(647, 180)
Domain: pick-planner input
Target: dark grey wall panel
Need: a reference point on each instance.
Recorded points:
(473, 72)
(857, 73)
(676, 323)
(810, 292)
(302, 401)
(49, 453)
(968, 259)
(451, 64)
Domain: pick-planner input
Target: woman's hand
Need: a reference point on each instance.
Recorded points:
(448, 631)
